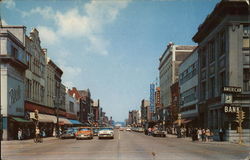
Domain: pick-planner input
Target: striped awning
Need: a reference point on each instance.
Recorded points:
(74, 121)
(45, 118)
(21, 120)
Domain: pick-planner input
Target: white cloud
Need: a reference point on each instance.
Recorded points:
(46, 12)
(98, 45)
(47, 35)
(9, 3)
(75, 24)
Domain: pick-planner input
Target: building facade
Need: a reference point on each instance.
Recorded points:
(223, 55)
(188, 83)
(168, 69)
(12, 79)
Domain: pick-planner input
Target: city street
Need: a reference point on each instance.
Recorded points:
(125, 146)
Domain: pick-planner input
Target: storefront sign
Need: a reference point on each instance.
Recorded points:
(231, 109)
(232, 89)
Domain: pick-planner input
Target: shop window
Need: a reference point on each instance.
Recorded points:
(246, 80)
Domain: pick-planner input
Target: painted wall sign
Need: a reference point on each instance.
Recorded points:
(14, 95)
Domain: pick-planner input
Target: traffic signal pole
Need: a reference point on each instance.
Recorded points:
(240, 116)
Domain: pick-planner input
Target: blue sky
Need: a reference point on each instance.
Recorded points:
(111, 47)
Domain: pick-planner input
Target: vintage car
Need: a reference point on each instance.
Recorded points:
(84, 133)
(67, 134)
(128, 129)
(158, 133)
(106, 132)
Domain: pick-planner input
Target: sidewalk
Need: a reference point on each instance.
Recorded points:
(210, 142)
(26, 141)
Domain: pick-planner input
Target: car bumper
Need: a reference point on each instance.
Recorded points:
(83, 136)
(106, 136)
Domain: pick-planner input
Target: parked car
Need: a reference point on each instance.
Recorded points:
(106, 132)
(84, 133)
(158, 133)
(67, 134)
(95, 131)
(140, 129)
(73, 129)
(128, 129)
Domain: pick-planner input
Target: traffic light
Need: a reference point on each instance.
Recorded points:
(36, 114)
(240, 115)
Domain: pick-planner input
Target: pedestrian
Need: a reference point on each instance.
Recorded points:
(203, 134)
(28, 133)
(207, 134)
(19, 134)
(199, 134)
(149, 131)
(221, 134)
(37, 133)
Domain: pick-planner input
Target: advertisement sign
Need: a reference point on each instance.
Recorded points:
(152, 97)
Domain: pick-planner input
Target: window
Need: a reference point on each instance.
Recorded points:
(246, 80)
(14, 52)
(203, 58)
(211, 51)
(222, 43)
(203, 90)
(212, 87)
(222, 80)
(246, 37)
(71, 106)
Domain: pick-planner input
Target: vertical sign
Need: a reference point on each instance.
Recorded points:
(152, 97)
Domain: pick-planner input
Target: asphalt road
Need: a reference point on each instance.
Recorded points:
(125, 146)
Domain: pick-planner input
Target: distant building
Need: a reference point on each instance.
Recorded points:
(144, 112)
(85, 106)
(168, 68)
(188, 83)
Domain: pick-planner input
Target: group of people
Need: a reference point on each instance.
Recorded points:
(204, 135)
(27, 133)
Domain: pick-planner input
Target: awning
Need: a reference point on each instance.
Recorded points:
(44, 117)
(74, 121)
(63, 121)
(22, 120)
(183, 121)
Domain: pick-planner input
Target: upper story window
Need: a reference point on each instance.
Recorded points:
(211, 51)
(203, 58)
(222, 43)
(246, 37)
(71, 106)
(14, 52)
(246, 80)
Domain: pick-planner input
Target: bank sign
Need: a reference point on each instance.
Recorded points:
(231, 109)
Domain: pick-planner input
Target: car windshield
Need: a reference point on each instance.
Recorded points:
(84, 129)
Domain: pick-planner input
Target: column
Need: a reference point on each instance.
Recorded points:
(219, 119)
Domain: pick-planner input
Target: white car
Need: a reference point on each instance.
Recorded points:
(128, 129)
(106, 133)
